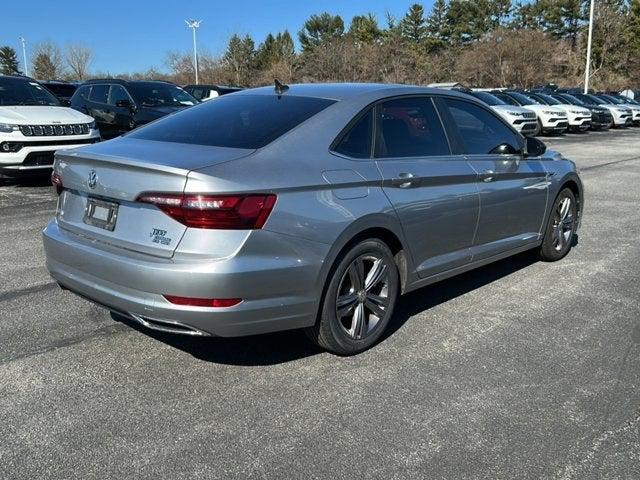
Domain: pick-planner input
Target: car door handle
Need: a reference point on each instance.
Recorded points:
(487, 175)
(404, 180)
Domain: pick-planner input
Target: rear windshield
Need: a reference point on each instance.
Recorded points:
(235, 121)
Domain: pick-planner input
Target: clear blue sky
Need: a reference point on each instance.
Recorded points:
(134, 35)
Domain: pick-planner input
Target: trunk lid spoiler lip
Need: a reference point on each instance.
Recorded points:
(169, 157)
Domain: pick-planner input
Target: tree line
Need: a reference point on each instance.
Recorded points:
(476, 42)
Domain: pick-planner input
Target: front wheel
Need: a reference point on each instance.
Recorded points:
(359, 299)
(561, 227)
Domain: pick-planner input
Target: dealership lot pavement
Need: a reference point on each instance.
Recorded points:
(520, 369)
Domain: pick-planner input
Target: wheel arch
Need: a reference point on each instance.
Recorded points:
(384, 227)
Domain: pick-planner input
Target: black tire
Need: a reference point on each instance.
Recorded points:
(331, 332)
(561, 227)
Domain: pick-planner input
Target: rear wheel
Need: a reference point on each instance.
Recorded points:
(359, 299)
(561, 227)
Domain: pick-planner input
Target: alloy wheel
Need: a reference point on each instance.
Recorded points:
(362, 298)
(563, 224)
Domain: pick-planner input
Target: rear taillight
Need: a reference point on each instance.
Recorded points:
(226, 212)
(203, 302)
(56, 181)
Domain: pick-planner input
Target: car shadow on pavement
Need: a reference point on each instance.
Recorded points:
(282, 347)
(433, 295)
(39, 180)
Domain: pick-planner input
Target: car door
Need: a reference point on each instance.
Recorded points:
(100, 109)
(513, 188)
(122, 116)
(432, 191)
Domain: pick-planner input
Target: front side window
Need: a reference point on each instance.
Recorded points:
(83, 92)
(480, 130)
(20, 91)
(235, 121)
(356, 142)
(99, 93)
(117, 93)
(410, 127)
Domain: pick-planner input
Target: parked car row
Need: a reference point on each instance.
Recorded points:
(543, 111)
(38, 118)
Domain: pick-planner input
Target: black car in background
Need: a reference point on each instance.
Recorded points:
(63, 90)
(122, 105)
(205, 92)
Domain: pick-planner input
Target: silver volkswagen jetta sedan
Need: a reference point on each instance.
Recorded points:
(310, 206)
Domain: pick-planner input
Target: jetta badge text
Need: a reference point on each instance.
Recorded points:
(159, 236)
(92, 181)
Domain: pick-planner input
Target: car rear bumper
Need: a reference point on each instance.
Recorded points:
(278, 288)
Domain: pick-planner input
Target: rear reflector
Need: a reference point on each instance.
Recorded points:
(203, 302)
(227, 212)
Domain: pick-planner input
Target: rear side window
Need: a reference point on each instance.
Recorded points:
(356, 142)
(99, 93)
(480, 130)
(410, 127)
(235, 121)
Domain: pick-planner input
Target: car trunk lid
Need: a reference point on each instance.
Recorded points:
(102, 182)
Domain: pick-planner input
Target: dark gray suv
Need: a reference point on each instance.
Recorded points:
(122, 105)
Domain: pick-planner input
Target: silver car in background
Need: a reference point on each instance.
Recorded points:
(309, 206)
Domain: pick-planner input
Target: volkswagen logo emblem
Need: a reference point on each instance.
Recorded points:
(92, 181)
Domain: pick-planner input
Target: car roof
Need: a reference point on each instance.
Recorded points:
(18, 77)
(124, 82)
(211, 85)
(347, 91)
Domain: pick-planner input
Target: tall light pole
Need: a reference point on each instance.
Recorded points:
(586, 71)
(193, 24)
(24, 55)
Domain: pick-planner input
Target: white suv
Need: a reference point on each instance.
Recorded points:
(550, 119)
(579, 117)
(34, 124)
(523, 120)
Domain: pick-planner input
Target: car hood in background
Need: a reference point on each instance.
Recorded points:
(161, 111)
(549, 108)
(509, 108)
(41, 115)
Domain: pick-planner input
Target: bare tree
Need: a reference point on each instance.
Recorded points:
(47, 61)
(79, 58)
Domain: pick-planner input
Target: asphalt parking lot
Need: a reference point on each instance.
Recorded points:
(518, 370)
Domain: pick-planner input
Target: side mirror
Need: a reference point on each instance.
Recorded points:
(535, 147)
(65, 103)
(125, 104)
(504, 149)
